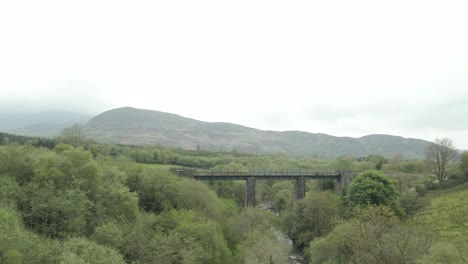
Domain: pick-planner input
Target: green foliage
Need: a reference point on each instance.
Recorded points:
(10, 192)
(314, 216)
(344, 163)
(233, 190)
(447, 217)
(74, 204)
(7, 139)
(16, 162)
(156, 188)
(197, 196)
(89, 201)
(208, 236)
(110, 234)
(443, 253)
(56, 213)
(464, 164)
(171, 237)
(282, 195)
(374, 235)
(411, 202)
(256, 237)
(83, 251)
(373, 188)
(261, 247)
(73, 136)
(114, 201)
(18, 245)
(13, 257)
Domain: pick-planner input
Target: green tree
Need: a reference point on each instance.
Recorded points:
(198, 197)
(18, 245)
(73, 135)
(110, 234)
(55, 213)
(83, 251)
(441, 157)
(17, 162)
(156, 188)
(263, 247)
(283, 191)
(10, 192)
(373, 188)
(315, 216)
(114, 201)
(183, 236)
(255, 236)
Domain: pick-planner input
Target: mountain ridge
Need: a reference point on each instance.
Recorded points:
(128, 125)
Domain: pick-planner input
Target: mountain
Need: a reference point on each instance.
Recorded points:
(141, 127)
(45, 124)
(40, 129)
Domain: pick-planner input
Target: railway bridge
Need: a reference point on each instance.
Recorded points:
(342, 179)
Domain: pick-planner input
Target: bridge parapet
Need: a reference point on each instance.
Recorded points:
(265, 175)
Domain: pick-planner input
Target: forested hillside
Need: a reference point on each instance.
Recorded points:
(146, 127)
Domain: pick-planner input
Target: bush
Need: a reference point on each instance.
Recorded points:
(373, 188)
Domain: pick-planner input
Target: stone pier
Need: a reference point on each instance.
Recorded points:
(343, 181)
(299, 189)
(250, 192)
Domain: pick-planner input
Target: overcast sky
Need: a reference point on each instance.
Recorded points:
(345, 68)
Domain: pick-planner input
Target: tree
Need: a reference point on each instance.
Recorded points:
(256, 237)
(373, 188)
(83, 251)
(315, 216)
(197, 196)
(72, 135)
(464, 164)
(441, 157)
(156, 188)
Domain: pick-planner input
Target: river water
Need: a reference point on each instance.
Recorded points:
(295, 256)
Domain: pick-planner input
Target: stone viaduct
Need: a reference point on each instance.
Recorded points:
(342, 179)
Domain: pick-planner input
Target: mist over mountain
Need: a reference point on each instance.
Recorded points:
(129, 125)
(44, 124)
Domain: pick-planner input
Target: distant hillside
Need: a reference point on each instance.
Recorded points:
(136, 126)
(45, 124)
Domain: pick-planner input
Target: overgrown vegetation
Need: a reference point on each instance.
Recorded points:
(71, 200)
(64, 205)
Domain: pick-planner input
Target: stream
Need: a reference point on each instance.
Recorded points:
(295, 256)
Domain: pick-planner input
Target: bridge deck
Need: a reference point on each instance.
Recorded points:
(270, 175)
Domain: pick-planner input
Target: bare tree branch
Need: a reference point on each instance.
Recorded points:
(441, 157)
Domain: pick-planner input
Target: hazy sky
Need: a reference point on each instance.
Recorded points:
(345, 68)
